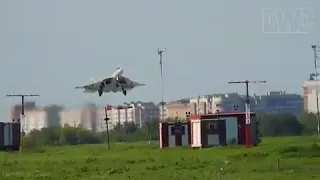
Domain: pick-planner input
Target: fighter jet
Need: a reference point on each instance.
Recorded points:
(114, 83)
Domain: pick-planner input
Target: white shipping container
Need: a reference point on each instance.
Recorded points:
(196, 134)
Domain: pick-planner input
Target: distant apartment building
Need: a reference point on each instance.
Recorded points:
(15, 111)
(272, 102)
(279, 102)
(217, 103)
(71, 117)
(138, 113)
(101, 124)
(88, 117)
(176, 110)
(165, 110)
(53, 115)
(35, 119)
(84, 117)
(309, 95)
(311, 100)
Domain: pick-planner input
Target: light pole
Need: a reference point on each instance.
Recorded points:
(161, 76)
(247, 106)
(106, 119)
(22, 113)
(315, 48)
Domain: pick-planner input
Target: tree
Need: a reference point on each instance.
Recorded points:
(282, 124)
(151, 129)
(309, 122)
(130, 127)
(61, 136)
(51, 135)
(34, 139)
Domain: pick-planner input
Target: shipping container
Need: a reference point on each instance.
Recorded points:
(1, 136)
(9, 136)
(16, 130)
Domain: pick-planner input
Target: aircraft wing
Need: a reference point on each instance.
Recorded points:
(130, 83)
(94, 86)
(89, 86)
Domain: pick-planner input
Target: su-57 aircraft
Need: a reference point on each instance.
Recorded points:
(114, 83)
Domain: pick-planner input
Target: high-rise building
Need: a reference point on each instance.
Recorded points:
(71, 117)
(309, 95)
(53, 115)
(35, 119)
(15, 111)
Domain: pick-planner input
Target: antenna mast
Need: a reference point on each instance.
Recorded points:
(161, 77)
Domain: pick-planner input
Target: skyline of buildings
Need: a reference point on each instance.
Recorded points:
(90, 116)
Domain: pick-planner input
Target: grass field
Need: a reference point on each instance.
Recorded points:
(299, 158)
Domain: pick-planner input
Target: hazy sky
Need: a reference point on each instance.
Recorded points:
(49, 47)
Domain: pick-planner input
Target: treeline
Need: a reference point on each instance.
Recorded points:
(58, 136)
(269, 125)
(286, 124)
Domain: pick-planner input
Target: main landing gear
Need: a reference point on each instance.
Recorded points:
(123, 91)
(100, 90)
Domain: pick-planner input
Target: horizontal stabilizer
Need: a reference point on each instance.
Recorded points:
(79, 87)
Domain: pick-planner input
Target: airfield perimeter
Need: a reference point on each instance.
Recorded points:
(299, 158)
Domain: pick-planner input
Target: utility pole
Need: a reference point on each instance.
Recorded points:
(161, 76)
(22, 118)
(106, 119)
(247, 107)
(315, 51)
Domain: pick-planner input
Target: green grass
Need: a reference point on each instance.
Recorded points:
(299, 158)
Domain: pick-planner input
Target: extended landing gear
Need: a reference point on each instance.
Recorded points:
(123, 91)
(100, 90)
